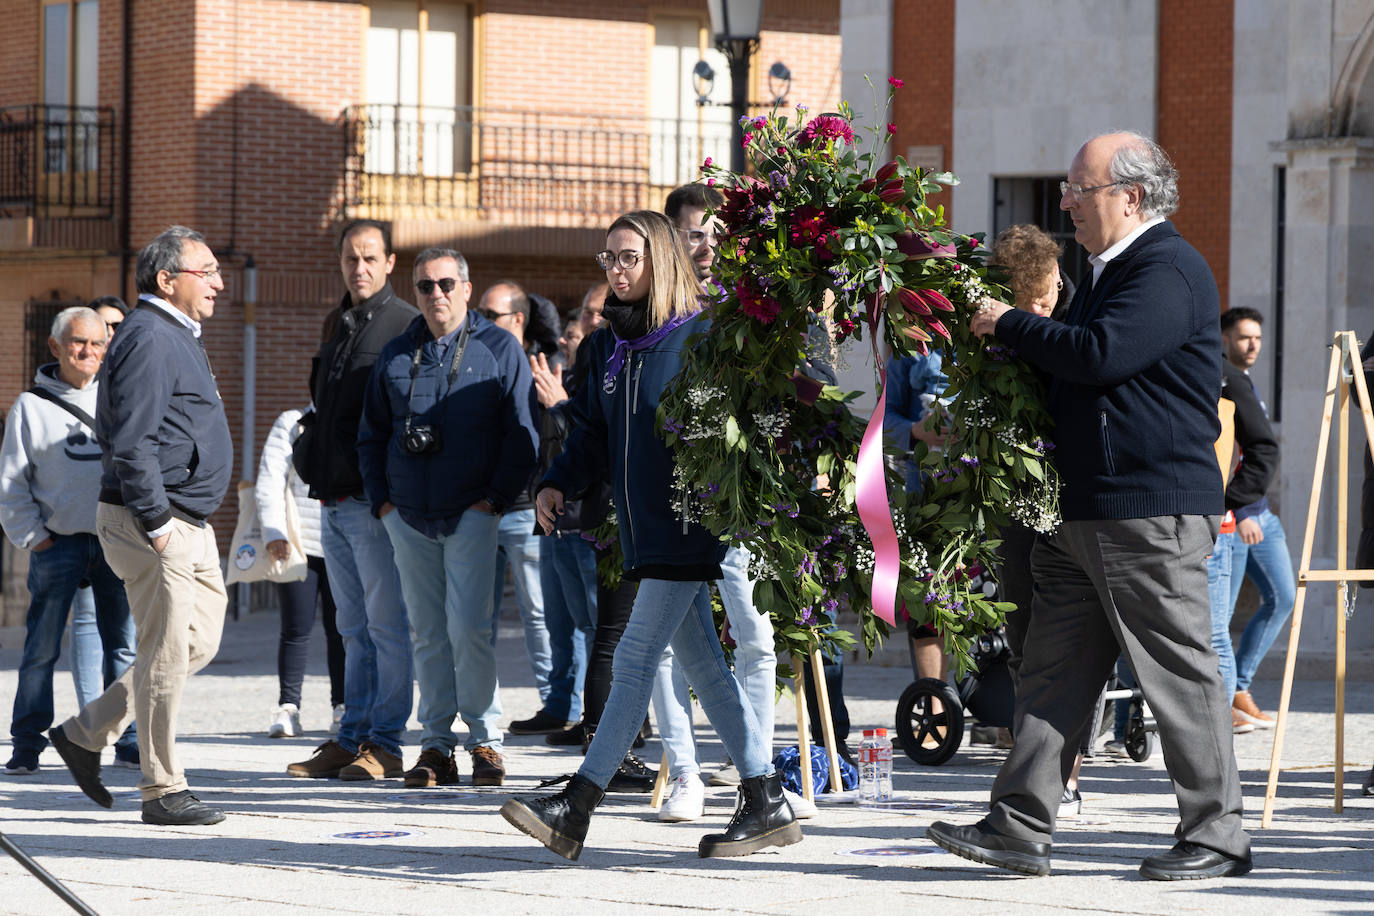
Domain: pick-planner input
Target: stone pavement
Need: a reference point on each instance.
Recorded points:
(299, 846)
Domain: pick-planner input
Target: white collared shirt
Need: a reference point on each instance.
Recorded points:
(172, 310)
(1099, 261)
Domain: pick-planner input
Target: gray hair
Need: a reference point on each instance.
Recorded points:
(1143, 162)
(162, 253)
(63, 321)
(442, 254)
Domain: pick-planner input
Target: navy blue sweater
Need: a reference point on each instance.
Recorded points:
(485, 428)
(164, 440)
(1136, 375)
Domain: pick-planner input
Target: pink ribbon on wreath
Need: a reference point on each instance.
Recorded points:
(871, 484)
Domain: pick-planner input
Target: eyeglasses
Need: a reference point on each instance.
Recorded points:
(207, 275)
(696, 236)
(114, 324)
(626, 259)
(492, 316)
(1077, 190)
(446, 284)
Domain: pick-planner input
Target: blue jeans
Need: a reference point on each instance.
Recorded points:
(446, 583)
(518, 545)
(756, 665)
(54, 575)
(680, 613)
(1271, 569)
(567, 576)
(88, 652)
(378, 672)
(1219, 595)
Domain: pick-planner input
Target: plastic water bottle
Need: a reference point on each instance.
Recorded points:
(868, 766)
(882, 750)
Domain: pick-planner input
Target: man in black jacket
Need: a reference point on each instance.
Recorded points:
(167, 458)
(378, 671)
(1136, 375)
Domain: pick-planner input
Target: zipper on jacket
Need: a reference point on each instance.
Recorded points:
(625, 465)
(634, 392)
(1107, 446)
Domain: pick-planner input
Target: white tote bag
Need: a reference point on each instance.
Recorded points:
(249, 560)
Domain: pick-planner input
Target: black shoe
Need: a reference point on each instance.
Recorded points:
(1368, 789)
(1189, 862)
(541, 723)
(632, 776)
(646, 731)
(568, 737)
(981, 843)
(558, 821)
(180, 809)
(762, 819)
(84, 766)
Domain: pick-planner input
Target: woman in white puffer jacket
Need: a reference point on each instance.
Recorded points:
(277, 479)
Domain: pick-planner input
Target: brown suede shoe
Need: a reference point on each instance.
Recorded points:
(372, 762)
(487, 767)
(1239, 725)
(329, 758)
(1245, 707)
(434, 768)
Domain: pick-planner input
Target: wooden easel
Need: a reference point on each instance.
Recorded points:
(1345, 372)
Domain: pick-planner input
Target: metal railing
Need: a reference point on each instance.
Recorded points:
(57, 160)
(528, 168)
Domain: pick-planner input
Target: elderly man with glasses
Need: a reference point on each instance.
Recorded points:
(446, 445)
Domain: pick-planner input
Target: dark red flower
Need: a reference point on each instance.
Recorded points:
(891, 128)
(756, 304)
(895, 83)
(825, 127)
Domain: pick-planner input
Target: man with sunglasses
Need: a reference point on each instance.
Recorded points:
(447, 444)
(371, 617)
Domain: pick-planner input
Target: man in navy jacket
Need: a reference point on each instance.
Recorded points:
(1135, 381)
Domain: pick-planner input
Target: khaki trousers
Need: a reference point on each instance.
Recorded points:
(178, 603)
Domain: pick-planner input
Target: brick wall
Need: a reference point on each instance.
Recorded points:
(923, 57)
(1196, 44)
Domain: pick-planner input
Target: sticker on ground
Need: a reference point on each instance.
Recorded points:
(373, 836)
(889, 853)
(431, 796)
(907, 806)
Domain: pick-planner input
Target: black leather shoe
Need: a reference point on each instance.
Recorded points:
(632, 776)
(180, 809)
(84, 765)
(762, 818)
(570, 737)
(541, 723)
(981, 843)
(1369, 784)
(558, 821)
(1190, 862)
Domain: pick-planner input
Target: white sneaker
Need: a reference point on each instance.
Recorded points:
(286, 722)
(338, 718)
(802, 808)
(686, 801)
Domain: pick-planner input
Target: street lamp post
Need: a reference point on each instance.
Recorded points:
(735, 31)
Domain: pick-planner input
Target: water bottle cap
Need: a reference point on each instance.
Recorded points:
(868, 733)
(882, 732)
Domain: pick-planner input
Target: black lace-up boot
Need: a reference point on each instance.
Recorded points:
(762, 819)
(558, 821)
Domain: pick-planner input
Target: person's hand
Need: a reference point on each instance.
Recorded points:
(386, 510)
(984, 321)
(279, 550)
(935, 438)
(160, 542)
(1250, 531)
(548, 505)
(483, 506)
(547, 385)
(43, 544)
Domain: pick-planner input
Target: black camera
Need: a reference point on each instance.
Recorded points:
(421, 440)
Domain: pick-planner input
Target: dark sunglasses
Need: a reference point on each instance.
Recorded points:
(426, 287)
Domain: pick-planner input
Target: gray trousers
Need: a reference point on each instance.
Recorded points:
(1138, 586)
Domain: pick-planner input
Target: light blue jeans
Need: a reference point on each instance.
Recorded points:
(680, 613)
(378, 672)
(567, 575)
(88, 651)
(518, 545)
(1219, 595)
(445, 581)
(1271, 569)
(756, 665)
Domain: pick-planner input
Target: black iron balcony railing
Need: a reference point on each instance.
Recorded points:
(56, 160)
(527, 168)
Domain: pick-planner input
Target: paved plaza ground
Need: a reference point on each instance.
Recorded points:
(298, 846)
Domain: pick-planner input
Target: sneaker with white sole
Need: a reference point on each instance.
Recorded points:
(336, 720)
(1116, 748)
(686, 799)
(801, 808)
(286, 721)
(22, 763)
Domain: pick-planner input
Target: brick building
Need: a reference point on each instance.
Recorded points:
(513, 130)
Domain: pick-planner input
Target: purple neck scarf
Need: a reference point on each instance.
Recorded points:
(616, 362)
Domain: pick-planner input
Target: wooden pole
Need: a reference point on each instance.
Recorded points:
(1347, 341)
(660, 784)
(827, 724)
(803, 732)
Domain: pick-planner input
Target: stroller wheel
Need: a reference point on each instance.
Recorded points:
(930, 738)
(1140, 744)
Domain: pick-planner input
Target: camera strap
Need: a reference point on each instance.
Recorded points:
(455, 366)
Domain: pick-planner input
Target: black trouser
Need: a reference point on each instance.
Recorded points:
(613, 609)
(834, 688)
(297, 601)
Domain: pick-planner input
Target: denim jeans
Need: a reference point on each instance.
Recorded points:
(54, 575)
(88, 652)
(1219, 595)
(680, 613)
(1121, 712)
(371, 615)
(567, 577)
(518, 545)
(446, 583)
(756, 665)
(1271, 569)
